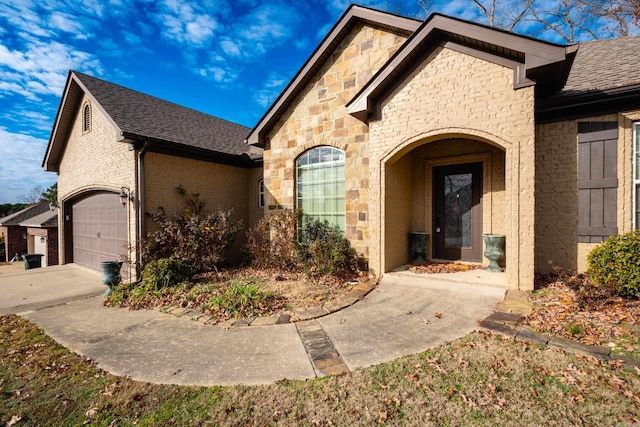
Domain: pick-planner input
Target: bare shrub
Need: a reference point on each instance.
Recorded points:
(273, 242)
(194, 237)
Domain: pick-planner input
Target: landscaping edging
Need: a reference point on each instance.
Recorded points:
(505, 323)
(357, 293)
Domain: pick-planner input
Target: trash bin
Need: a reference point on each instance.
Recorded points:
(32, 261)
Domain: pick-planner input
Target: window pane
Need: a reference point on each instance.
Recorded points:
(320, 186)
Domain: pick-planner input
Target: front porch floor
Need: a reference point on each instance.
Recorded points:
(478, 277)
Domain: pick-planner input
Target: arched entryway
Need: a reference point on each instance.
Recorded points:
(452, 188)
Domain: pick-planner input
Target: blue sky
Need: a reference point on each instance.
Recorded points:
(225, 58)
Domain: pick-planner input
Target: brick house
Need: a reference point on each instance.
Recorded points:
(458, 129)
(42, 236)
(16, 233)
(109, 141)
(392, 125)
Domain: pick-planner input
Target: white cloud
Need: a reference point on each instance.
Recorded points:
(21, 165)
(270, 89)
(68, 24)
(221, 75)
(41, 68)
(185, 22)
(230, 48)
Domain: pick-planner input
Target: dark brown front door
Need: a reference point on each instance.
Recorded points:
(457, 212)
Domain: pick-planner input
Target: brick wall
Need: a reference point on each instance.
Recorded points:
(94, 160)
(51, 234)
(15, 241)
(453, 95)
(219, 186)
(557, 190)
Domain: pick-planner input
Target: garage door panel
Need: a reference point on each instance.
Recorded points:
(99, 230)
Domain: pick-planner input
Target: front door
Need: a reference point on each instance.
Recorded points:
(457, 212)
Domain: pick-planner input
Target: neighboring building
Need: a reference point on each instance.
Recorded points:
(16, 234)
(42, 236)
(108, 140)
(458, 129)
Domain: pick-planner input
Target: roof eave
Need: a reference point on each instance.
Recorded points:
(69, 104)
(436, 31)
(334, 36)
(587, 104)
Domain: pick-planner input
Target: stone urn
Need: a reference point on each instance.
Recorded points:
(418, 241)
(111, 274)
(494, 250)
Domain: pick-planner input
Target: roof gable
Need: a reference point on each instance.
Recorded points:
(325, 49)
(533, 61)
(140, 117)
(30, 211)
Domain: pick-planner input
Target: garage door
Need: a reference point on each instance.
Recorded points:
(99, 230)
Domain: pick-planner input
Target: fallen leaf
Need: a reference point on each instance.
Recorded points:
(13, 420)
(438, 314)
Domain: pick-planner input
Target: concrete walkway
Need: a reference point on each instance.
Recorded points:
(23, 290)
(403, 315)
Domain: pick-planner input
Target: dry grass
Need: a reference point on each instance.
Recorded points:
(284, 292)
(482, 379)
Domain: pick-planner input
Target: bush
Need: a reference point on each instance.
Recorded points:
(194, 237)
(615, 265)
(326, 250)
(273, 242)
(166, 272)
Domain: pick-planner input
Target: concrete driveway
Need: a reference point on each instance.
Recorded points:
(24, 290)
(404, 314)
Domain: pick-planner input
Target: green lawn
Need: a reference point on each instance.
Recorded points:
(481, 379)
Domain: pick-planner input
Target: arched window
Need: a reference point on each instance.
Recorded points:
(261, 193)
(86, 118)
(320, 185)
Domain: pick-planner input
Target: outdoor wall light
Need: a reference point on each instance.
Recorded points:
(42, 239)
(125, 194)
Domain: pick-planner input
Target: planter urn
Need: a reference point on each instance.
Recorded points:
(111, 274)
(418, 241)
(494, 250)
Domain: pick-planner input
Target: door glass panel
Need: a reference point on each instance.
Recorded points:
(458, 202)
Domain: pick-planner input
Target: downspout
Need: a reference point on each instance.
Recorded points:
(141, 202)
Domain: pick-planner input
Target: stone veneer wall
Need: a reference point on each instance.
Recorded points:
(94, 160)
(456, 95)
(319, 117)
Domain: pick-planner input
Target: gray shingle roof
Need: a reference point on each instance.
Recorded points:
(29, 212)
(45, 219)
(604, 64)
(138, 114)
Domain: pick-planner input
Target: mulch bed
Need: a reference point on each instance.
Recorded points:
(561, 309)
(443, 267)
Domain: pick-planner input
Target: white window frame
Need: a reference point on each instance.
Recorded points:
(261, 193)
(86, 118)
(636, 174)
(329, 164)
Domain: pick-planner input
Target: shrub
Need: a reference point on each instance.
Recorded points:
(273, 242)
(615, 264)
(166, 272)
(326, 250)
(194, 237)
